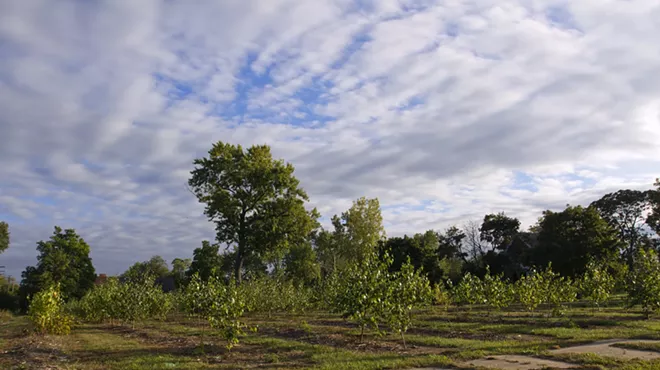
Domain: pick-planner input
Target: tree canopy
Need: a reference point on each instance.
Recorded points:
(571, 238)
(625, 210)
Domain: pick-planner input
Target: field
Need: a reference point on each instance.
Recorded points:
(442, 339)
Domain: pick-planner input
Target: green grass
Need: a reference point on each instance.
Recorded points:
(320, 340)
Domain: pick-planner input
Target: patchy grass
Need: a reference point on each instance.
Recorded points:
(320, 340)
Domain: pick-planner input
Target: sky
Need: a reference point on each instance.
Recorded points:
(444, 110)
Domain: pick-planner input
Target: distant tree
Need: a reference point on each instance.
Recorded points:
(499, 230)
(653, 219)
(252, 198)
(4, 236)
(301, 264)
(206, 261)
(571, 238)
(421, 250)
(155, 267)
(63, 259)
(362, 226)
(625, 211)
(357, 233)
(472, 243)
(451, 243)
(179, 268)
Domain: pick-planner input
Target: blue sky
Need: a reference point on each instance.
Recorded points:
(445, 111)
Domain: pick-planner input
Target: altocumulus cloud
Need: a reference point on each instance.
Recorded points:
(445, 110)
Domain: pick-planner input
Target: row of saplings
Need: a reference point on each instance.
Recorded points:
(367, 294)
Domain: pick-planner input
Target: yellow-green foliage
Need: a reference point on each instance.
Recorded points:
(47, 314)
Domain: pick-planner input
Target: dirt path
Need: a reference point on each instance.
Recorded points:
(514, 362)
(605, 348)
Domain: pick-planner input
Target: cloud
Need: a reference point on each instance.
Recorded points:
(444, 110)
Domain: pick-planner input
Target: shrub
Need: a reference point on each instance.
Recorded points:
(530, 290)
(47, 314)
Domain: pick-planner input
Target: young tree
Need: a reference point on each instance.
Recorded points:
(251, 198)
(408, 290)
(499, 230)
(4, 236)
(364, 287)
(597, 284)
(625, 211)
(63, 259)
(643, 282)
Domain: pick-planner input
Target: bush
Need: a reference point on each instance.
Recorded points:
(47, 314)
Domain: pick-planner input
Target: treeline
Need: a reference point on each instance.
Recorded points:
(263, 229)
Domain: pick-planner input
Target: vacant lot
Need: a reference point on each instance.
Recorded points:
(459, 338)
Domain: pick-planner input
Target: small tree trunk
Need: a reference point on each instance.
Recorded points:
(361, 333)
(403, 339)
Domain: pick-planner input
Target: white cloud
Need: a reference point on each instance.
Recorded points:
(431, 106)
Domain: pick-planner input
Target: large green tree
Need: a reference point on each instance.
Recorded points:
(571, 238)
(63, 259)
(4, 236)
(625, 211)
(499, 230)
(255, 201)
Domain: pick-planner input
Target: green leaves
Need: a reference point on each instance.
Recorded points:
(47, 314)
(4, 236)
(643, 281)
(132, 301)
(597, 284)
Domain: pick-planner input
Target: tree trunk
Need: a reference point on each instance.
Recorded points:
(403, 339)
(361, 333)
(238, 266)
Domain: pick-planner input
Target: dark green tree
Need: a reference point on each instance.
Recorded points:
(499, 230)
(301, 264)
(571, 238)
(653, 219)
(206, 262)
(251, 198)
(451, 243)
(625, 211)
(155, 267)
(63, 259)
(4, 236)
(179, 268)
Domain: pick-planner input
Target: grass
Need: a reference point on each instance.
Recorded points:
(319, 340)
